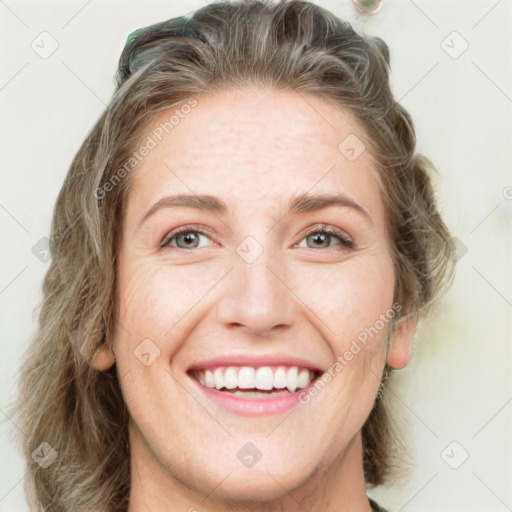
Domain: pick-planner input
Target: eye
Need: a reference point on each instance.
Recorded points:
(186, 237)
(322, 235)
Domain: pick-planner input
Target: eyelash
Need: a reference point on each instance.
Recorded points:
(321, 228)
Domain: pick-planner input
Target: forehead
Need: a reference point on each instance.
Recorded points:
(256, 149)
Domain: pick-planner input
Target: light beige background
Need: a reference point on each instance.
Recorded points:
(457, 387)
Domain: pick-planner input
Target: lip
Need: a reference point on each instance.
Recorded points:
(252, 406)
(255, 361)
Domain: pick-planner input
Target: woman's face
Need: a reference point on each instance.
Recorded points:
(252, 284)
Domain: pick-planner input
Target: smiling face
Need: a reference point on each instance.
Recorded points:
(256, 275)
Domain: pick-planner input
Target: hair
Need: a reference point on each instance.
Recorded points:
(288, 45)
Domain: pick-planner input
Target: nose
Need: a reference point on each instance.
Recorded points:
(257, 297)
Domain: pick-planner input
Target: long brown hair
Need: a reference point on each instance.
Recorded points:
(292, 45)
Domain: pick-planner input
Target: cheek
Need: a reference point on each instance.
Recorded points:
(341, 299)
(350, 296)
(155, 298)
(150, 300)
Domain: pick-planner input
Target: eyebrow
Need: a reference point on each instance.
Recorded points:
(303, 203)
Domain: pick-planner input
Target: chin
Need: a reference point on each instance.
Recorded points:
(270, 478)
(257, 485)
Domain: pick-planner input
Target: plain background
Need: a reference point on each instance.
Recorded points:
(456, 393)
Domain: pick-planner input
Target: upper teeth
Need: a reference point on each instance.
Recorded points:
(263, 378)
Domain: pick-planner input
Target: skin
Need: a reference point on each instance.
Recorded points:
(254, 150)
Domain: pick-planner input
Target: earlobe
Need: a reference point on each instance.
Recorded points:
(103, 358)
(400, 349)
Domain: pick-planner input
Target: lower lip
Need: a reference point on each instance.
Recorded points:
(252, 406)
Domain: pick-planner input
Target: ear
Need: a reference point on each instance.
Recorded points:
(400, 348)
(103, 358)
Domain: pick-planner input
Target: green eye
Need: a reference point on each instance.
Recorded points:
(186, 236)
(325, 234)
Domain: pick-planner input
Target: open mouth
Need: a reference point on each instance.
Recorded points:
(247, 381)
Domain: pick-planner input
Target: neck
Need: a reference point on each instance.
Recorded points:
(337, 487)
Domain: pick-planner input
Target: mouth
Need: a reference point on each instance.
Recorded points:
(250, 390)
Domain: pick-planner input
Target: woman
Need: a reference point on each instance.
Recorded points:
(241, 252)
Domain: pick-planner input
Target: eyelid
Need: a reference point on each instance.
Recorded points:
(328, 228)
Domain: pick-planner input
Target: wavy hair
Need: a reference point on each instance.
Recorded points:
(287, 45)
